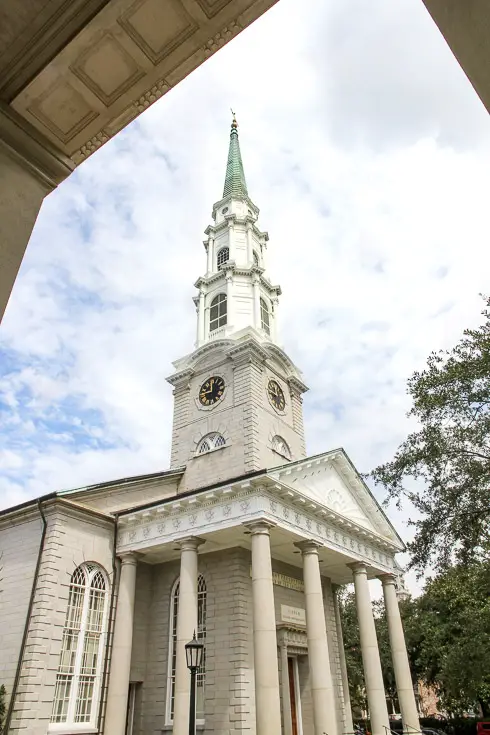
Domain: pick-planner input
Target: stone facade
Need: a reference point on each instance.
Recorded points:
(242, 520)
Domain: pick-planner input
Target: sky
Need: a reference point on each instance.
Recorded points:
(367, 151)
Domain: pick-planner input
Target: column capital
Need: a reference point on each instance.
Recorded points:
(308, 547)
(358, 567)
(259, 527)
(191, 543)
(129, 558)
(387, 579)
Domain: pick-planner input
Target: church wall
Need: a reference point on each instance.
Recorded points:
(72, 538)
(229, 654)
(19, 546)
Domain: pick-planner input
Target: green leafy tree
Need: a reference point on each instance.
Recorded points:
(448, 455)
(453, 616)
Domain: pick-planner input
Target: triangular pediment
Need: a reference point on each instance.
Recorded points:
(332, 482)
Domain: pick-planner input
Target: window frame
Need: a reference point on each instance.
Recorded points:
(214, 441)
(265, 324)
(202, 593)
(275, 440)
(85, 627)
(222, 250)
(220, 298)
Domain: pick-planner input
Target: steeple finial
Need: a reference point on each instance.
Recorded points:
(235, 183)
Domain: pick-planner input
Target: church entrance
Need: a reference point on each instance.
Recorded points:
(296, 728)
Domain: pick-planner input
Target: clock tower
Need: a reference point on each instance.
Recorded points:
(237, 396)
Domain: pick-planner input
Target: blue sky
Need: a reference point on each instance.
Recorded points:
(367, 151)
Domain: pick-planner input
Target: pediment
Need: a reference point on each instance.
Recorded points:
(333, 483)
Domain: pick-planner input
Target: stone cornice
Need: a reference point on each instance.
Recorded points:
(248, 351)
(230, 267)
(227, 198)
(52, 506)
(181, 379)
(34, 152)
(296, 386)
(245, 502)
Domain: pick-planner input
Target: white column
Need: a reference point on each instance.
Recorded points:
(286, 694)
(373, 675)
(186, 625)
(229, 299)
(201, 325)
(231, 238)
(401, 666)
(267, 699)
(117, 695)
(274, 330)
(256, 304)
(250, 254)
(324, 713)
(209, 255)
(349, 725)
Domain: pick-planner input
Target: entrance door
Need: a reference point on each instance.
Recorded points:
(292, 696)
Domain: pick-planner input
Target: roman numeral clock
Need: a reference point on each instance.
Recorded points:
(211, 390)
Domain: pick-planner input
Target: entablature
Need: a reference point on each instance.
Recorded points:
(227, 507)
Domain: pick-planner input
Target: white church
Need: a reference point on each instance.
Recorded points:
(245, 540)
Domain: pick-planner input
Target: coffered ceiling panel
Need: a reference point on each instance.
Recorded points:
(107, 69)
(63, 110)
(157, 27)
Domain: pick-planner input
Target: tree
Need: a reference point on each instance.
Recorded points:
(453, 617)
(448, 455)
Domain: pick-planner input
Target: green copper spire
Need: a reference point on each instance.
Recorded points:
(235, 184)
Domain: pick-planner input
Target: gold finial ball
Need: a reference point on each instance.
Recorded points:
(234, 123)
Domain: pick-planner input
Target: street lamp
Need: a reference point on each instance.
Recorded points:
(194, 651)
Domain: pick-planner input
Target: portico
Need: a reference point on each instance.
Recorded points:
(270, 521)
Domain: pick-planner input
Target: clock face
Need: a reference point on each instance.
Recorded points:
(211, 390)
(276, 395)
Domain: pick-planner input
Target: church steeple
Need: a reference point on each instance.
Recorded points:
(237, 395)
(235, 184)
(236, 295)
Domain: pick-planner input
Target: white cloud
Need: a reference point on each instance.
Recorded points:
(366, 150)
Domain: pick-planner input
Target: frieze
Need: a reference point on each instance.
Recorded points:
(227, 507)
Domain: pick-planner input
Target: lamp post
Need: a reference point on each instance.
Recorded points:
(193, 652)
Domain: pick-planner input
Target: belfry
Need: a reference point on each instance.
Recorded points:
(244, 541)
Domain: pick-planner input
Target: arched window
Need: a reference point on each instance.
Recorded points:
(82, 648)
(256, 258)
(210, 442)
(264, 316)
(280, 446)
(218, 313)
(201, 635)
(223, 256)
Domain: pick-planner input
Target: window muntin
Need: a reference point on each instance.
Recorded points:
(210, 442)
(280, 446)
(218, 312)
(201, 636)
(264, 316)
(222, 257)
(81, 657)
